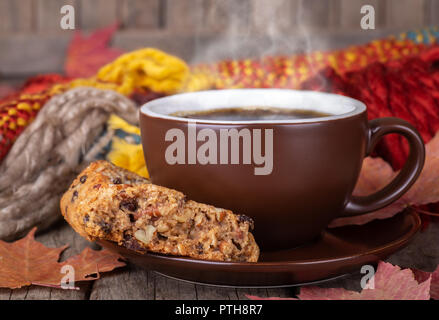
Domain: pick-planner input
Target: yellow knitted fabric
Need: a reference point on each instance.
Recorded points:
(117, 123)
(123, 153)
(146, 68)
(128, 156)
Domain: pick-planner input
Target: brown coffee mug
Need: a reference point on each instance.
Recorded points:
(315, 162)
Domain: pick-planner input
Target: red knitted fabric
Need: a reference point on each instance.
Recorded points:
(406, 88)
(20, 108)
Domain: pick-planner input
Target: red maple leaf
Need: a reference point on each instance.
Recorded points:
(390, 283)
(86, 55)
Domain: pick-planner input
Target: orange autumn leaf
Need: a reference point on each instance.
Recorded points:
(28, 262)
(376, 173)
(86, 55)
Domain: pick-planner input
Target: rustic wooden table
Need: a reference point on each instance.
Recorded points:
(132, 282)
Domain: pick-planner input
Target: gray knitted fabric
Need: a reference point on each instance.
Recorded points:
(65, 136)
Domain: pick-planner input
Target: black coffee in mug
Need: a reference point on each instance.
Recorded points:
(251, 114)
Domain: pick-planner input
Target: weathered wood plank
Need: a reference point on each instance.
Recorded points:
(131, 283)
(215, 293)
(5, 294)
(31, 293)
(5, 13)
(184, 15)
(169, 289)
(98, 13)
(48, 14)
(273, 17)
(16, 16)
(432, 12)
(405, 13)
(140, 14)
(47, 53)
(228, 16)
(316, 14)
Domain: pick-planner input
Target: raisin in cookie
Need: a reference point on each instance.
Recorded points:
(109, 203)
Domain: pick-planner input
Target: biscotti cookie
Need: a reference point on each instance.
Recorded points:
(109, 203)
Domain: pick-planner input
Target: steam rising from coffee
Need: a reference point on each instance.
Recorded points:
(253, 29)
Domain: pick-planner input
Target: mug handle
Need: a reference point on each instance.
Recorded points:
(403, 181)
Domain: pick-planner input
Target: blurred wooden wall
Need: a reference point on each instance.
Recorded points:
(31, 40)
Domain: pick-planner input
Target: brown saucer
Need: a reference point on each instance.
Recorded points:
(338, 251)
